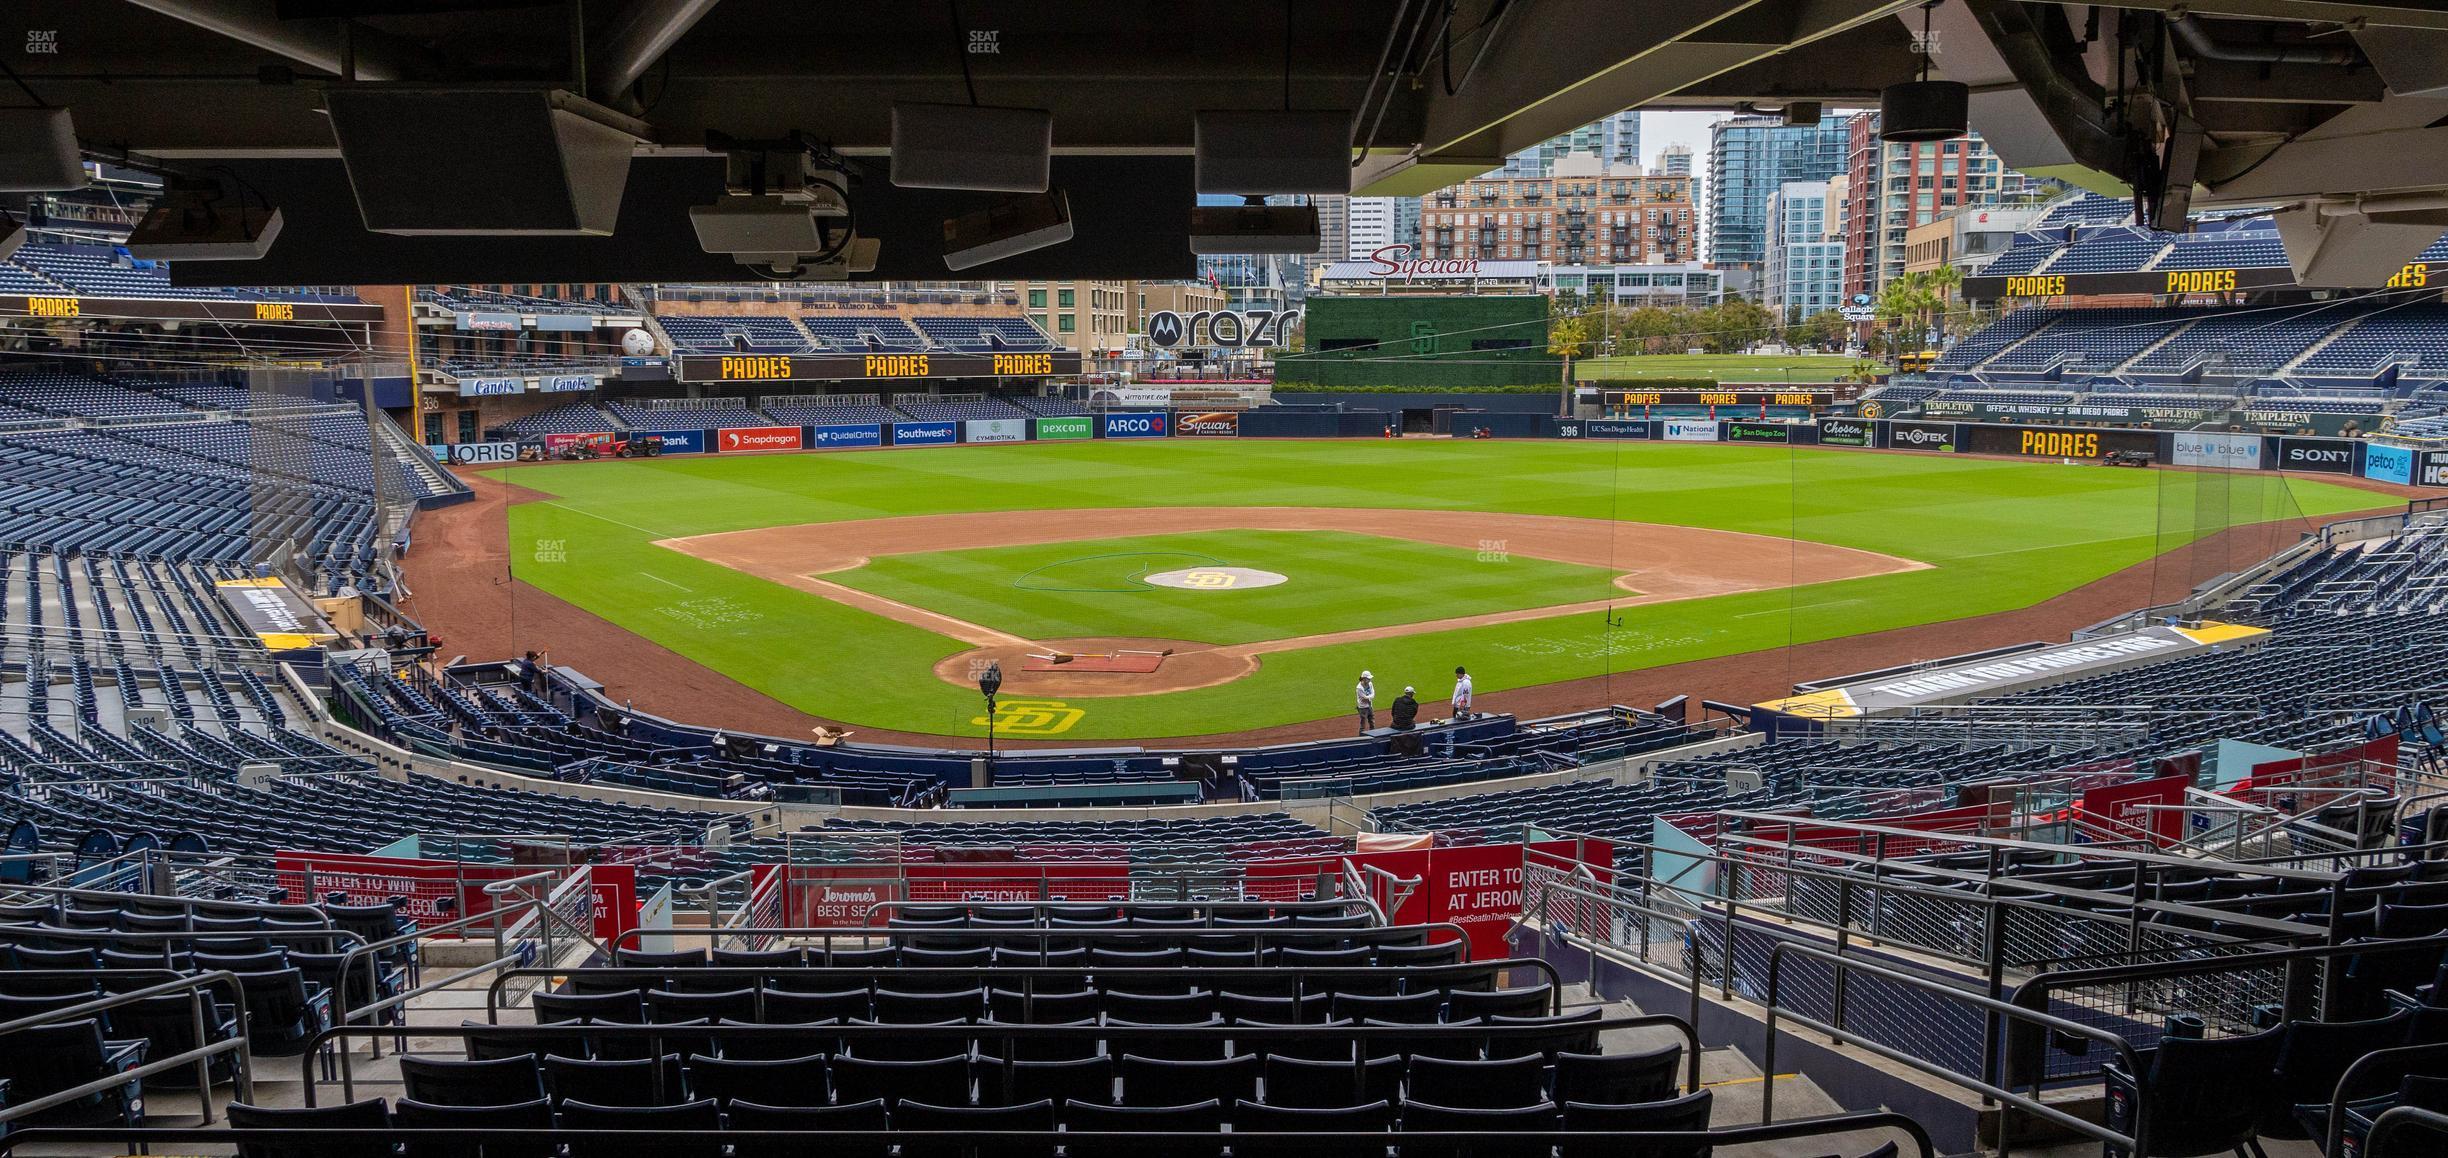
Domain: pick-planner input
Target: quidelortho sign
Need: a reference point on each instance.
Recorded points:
(2323, 455)
(840, 435)
(995, 430)
(2232, 451)
(1065, 428)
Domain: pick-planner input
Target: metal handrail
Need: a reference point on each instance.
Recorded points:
(1565, 935)
(2007, 1099)
(2397, 1118)
(655, 1035)
(828, 934)
(206, 1049)
(493, 992)
(2355, 1070)
(828, 1141)
(1210, 907)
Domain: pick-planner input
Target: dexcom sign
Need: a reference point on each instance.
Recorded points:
(1135, 425)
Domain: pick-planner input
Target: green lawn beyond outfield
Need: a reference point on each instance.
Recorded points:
(1335, 581)
(2000, 535)
(1772, 368)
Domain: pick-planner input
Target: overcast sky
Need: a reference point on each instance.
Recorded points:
(1659, 130)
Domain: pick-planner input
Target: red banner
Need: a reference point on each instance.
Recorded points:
(434, 891)
(2278, 775)
(2120, 808)
(1968, 819)
(829, 896)
(741, 438)
(616, 899)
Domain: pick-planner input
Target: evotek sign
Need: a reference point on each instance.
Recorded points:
(1921, 436)
(2324, 455)
(1251, 329)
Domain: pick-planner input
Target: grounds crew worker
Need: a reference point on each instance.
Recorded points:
(1406, 710)
(1462, 694)
(1364, 701)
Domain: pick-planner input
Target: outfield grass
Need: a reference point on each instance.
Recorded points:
(2000, 535)
(1336, 581)
(1773, 368)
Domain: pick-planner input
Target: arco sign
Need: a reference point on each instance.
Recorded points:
(1235, 329)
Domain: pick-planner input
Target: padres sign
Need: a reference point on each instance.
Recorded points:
(1213, 579)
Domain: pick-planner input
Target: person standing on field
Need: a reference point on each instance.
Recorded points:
(1364, 701)
(1462, 694)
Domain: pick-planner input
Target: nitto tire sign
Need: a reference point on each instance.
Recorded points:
(480, 453)
(750, 438)
(846, 435)
(924, 433)
(1936, 436)
(2232, 451)
(1208, 424)
(1636, 428)
(2319, 455)
(1135, 426)
(1843, 432)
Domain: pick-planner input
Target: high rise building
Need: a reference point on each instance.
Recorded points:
(1584, 213)
(1750, 158)
(1334, 226)
(1891, 188)
(1806, 250)
(1613, 140)
(1673, 161)
(1377, 222)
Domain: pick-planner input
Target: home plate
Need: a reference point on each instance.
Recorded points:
(1213, 578)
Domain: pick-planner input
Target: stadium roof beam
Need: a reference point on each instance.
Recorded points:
(1555, 66)
(639, 36)
(333, 46)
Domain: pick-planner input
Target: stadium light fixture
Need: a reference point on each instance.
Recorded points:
(1924, 109)
(201, 221)
(39, 152)
(1007, 228)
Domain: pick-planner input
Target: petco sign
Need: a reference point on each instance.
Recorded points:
(1255, 328)
(760, 438)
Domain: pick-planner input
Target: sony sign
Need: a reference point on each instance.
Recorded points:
(1245, 330)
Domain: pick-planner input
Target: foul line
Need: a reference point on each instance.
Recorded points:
(664, 581)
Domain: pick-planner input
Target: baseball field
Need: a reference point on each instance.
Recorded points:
(1180, 587)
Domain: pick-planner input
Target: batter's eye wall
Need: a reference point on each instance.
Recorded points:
(1427, 341)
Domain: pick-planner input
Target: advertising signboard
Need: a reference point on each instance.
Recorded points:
(1796, 396)
(924, 433)
(2042, 442)
(2434, 469)
(677, 441)
(1616, 428)
(1937, 436)
(848, 434)
(742, 438)
(1758, 432)
(2233, 451)
(1691, 430)
(1135, 425)
(2388, 463)
(1066, 428)
(1843, 432)
(489, 387)
(846, 367)
(995, 430)
(2320, 455)
(480, 453)
(1207, 424)
(565, 383)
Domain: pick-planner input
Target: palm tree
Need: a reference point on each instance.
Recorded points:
(1567, 338)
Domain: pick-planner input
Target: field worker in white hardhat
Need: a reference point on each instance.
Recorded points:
(1364, 701)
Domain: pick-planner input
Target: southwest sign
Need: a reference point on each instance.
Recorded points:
(874, 367)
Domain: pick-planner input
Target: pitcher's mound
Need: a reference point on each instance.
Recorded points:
(1213, 578)
(1100, 666)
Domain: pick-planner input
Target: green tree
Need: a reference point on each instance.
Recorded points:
(1567, 339)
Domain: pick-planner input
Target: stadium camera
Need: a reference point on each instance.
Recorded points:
(786, 213)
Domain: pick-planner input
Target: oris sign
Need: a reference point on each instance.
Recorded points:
(1168, 329)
